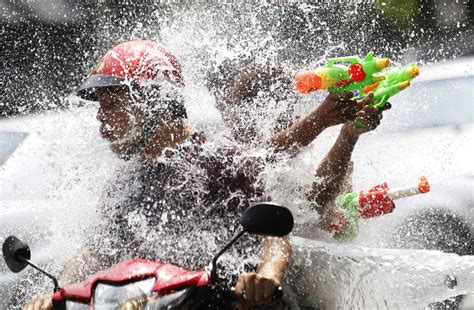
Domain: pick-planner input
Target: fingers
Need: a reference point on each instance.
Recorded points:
(269, 287)
(264, 288)
(249, 291)
(259, 290)
(341, 96)
(40, 303)
(48, 305)
(370, 117)
(255, 289)
(348, 107)
(27, 306)
(346, 95)
(31, 304)
(240, 286)
(365, 101)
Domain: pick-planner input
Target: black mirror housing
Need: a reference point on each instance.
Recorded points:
(267, 219)
(12, 249)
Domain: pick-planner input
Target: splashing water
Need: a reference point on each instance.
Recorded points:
(78, 163)
(351, 276)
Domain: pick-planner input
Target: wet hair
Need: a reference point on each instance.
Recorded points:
(222, 75)
(242, 85)
(224, 78)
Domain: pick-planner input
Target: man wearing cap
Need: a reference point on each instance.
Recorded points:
(179, 197)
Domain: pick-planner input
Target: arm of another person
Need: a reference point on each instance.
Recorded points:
(336, 109)
(257, 288)
(332, 170)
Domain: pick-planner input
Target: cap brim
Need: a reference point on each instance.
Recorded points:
(88, 89)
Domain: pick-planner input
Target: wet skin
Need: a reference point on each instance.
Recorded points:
(120, 119)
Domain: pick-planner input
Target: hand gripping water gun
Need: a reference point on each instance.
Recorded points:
(343, 219)
(362, 76)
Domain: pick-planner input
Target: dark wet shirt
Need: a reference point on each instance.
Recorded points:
(185, 208)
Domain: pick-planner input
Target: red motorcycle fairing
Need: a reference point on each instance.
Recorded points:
(167, 277)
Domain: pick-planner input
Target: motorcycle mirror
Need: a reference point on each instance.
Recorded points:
(13, 248)
(268, 219)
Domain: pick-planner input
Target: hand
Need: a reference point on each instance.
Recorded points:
(43, 302)
(370, 118)
(255, 289)
(339, 108)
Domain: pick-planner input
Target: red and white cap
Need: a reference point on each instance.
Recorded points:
(137, 63)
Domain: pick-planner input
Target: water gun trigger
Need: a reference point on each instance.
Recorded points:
(381, 102)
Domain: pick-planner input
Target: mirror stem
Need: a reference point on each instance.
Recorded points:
(21, 258)
(216, 257)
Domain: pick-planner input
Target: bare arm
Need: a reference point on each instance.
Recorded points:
(336, 109)
(332, 170)
(275, 258)
(301, 133)
(257, 288)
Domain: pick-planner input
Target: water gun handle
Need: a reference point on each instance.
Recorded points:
(358, 124)
(381, 102)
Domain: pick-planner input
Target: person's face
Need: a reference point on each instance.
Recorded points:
(252, 100)
(120, 119)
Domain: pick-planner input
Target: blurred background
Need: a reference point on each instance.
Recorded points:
(48, 47)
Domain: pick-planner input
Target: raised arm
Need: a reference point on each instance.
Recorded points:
(332, 171)
(336, 109)
(257, 288)
(242, 91)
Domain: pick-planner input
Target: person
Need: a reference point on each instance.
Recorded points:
(246, 92)
(176, 185)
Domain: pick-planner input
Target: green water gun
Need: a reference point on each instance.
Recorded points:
(343, 218)
(361, 77)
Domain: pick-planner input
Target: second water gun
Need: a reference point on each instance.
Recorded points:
(362, 76)
(343, 218)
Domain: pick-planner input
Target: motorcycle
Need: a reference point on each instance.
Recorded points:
(139, 284)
